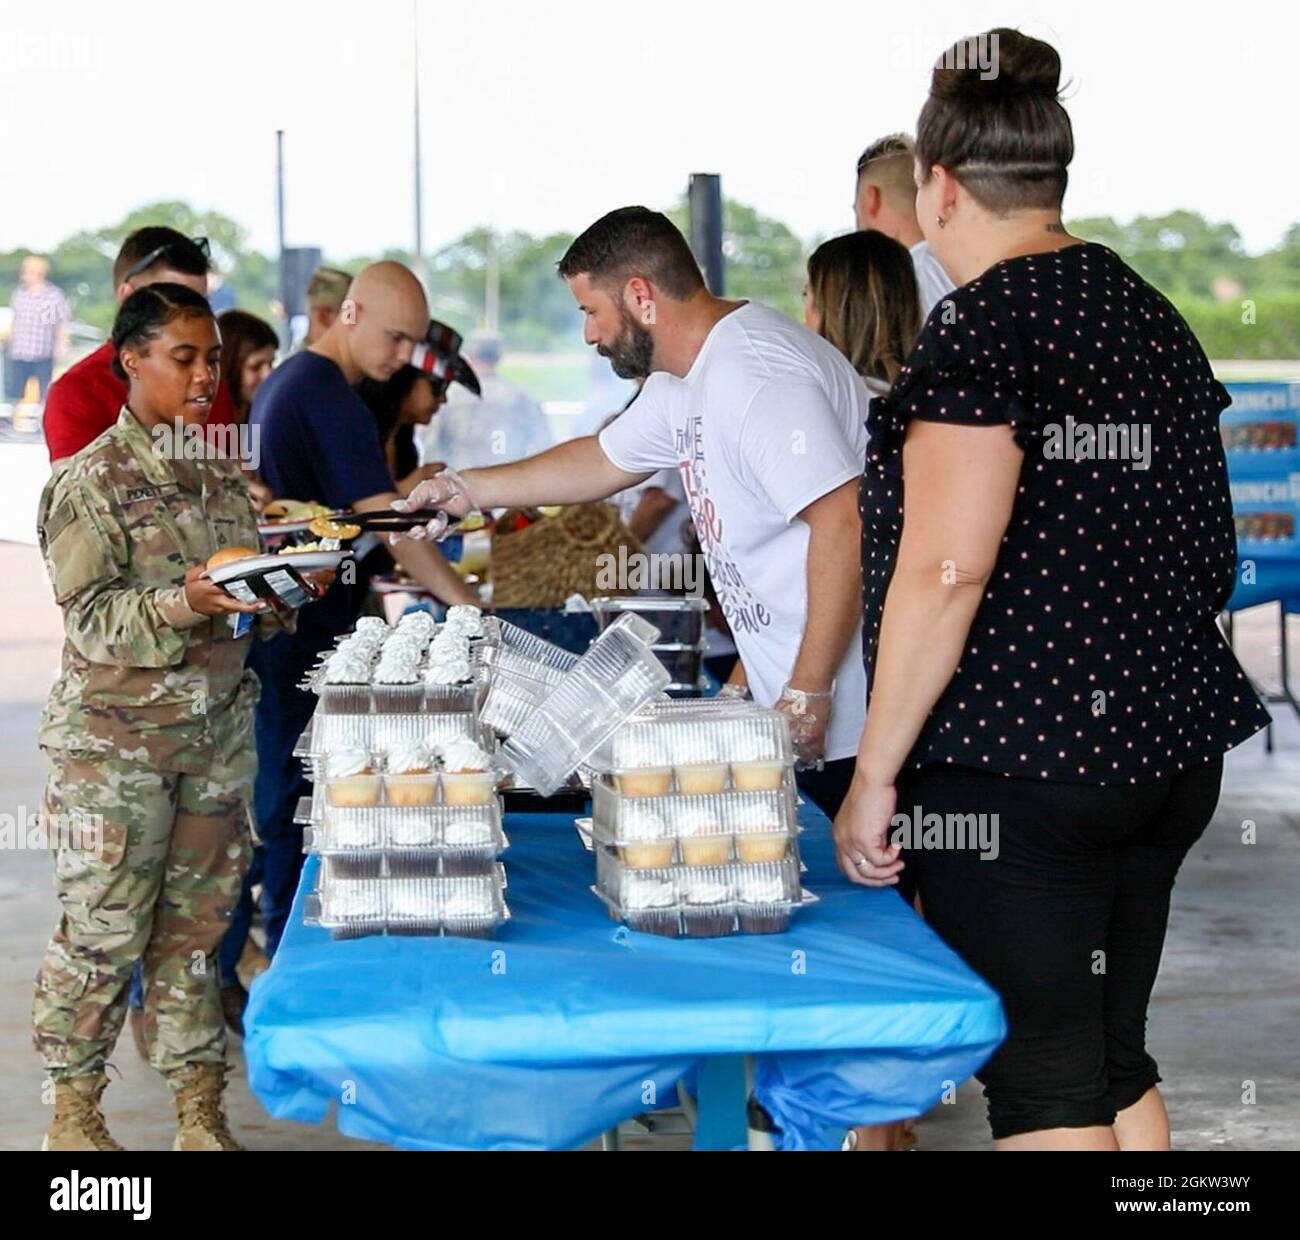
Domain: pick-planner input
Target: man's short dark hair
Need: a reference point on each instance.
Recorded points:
(174, 249)
(635, 241)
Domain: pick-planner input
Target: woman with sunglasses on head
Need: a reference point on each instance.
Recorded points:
(1040, 623)
(148, 731)
(86, 399)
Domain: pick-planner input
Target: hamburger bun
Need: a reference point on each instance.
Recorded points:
(228, 554)
(322, 527)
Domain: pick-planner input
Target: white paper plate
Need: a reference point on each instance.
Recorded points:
(256, 565)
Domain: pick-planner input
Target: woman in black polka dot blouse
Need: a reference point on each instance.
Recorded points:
(1047, 542)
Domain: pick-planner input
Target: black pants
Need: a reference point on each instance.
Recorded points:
(828, 787)
(1067, 924)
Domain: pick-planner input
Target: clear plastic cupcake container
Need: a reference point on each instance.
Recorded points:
(471, 905)
(451, 699)
(345, 699)
(619, 818)
(533, 650)
(347, 907)
(403, 699)
(707, 746)
(702, 902)
(518, 676)
(328, 732)
(474, 792)
(617, 676)
(683, 663)
(679, 620)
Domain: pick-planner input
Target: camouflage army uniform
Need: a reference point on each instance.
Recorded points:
(150, 728)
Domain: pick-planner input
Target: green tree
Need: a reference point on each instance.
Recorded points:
(765, 260)
(1181, 253)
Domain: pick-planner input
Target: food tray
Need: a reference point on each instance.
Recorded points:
(470, 906)
(679, 620)
(617, 676)
(703, 902)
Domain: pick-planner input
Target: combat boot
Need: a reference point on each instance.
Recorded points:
(78, 1123)
(201, 1116)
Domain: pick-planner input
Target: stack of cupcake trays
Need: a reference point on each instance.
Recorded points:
(693, 821)
(405, 814)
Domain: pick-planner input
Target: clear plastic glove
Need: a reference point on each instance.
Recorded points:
(733, 692)
(808, 715)
(447, 491)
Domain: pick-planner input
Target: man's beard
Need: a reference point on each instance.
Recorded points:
(632, 353)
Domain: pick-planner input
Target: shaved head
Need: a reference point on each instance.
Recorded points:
(384, 315)
(886, 191)
(392, 281)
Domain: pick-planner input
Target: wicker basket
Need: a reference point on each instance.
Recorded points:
(544, 563)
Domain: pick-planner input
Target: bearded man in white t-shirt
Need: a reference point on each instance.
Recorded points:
(885, 201)
(765, 423)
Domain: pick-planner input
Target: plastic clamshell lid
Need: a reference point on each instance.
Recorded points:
(690, 733)
(328, 732)
(616, 677)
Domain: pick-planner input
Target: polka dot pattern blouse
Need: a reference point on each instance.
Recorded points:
(1094, 656)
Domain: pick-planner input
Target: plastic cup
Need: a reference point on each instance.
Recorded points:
(468, 787)
(352, 791)
(757, 776)
(411, 789)
(702, 778)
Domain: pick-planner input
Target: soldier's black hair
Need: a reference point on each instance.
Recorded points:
(144, 314)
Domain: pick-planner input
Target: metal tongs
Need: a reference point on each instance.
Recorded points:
(387, 522)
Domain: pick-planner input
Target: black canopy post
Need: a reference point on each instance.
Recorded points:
(705, 200)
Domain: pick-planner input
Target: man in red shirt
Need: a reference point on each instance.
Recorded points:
(85, 401)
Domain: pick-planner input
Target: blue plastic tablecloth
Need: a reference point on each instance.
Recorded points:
(567, 1023)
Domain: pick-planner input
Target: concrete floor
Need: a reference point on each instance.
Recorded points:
(1224, 1019)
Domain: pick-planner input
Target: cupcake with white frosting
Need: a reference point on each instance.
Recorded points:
(351, 778)
(409, 774)
(467, 775)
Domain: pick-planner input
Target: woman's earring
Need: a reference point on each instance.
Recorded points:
(938, 219)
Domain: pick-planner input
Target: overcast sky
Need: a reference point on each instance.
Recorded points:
(544, 114)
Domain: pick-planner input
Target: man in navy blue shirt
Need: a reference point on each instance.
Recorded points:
(319, 441)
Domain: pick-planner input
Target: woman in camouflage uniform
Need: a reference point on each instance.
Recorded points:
(148, 731)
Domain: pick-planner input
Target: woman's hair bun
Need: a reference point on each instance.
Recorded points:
(999, 64)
